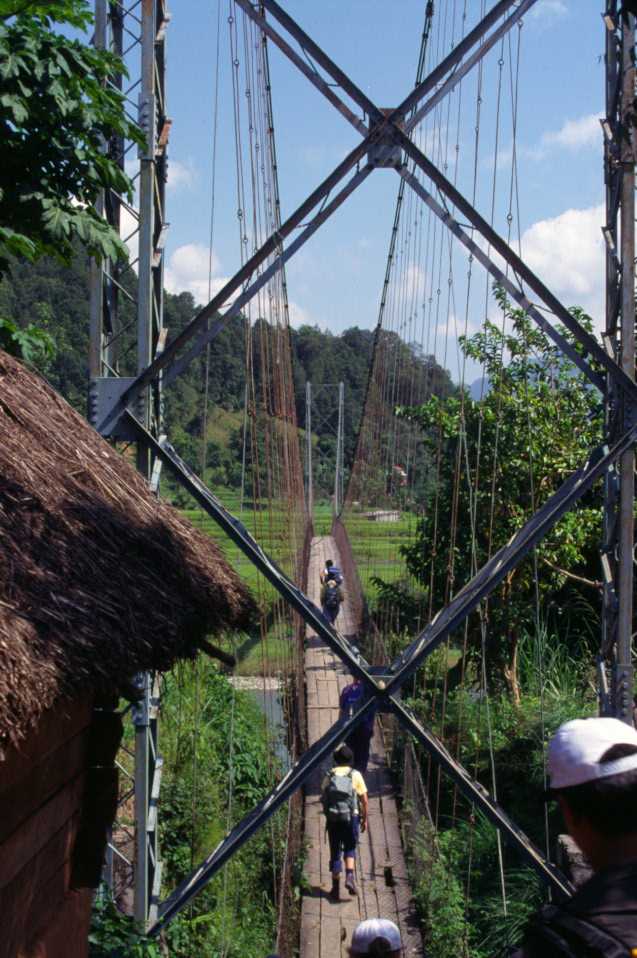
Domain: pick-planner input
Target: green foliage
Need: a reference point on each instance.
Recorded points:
(32, 344)
(438, 893)
(456, 872)
(114, 935)
(502, 458)
(214, 736)
(57, 109)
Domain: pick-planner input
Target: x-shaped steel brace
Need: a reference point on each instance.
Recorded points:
(402, 669)
(383, 131)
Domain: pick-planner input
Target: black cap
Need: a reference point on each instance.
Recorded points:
(343, 754)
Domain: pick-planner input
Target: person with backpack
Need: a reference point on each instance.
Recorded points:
(331, 571)
(331, 598)
(344, 798)
(592, 766)
(360, 739)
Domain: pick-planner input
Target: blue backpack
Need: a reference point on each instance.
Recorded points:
(334, 573)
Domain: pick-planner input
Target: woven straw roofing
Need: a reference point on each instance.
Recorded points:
(98, 579)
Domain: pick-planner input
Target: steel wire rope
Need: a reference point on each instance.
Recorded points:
(515, 194)
(259, 207)
(241, 205)
(357, 479)
(204, 442)
(462, 422)
(483, 616)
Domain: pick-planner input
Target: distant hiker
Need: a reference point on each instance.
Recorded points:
(593, 775)
(344, 798)
(331, 571)
(359, 740)
(378, 937)
(331, 598)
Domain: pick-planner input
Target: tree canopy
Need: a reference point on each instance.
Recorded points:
(57, 111)
(500, 459)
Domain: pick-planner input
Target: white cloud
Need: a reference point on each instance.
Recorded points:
(181, 175)
(298, 315)
(187, 271)
(127, 226)
(583, 133)
(547, 12)
(567, 253)
(575, 134)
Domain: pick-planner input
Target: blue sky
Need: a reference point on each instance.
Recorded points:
(336, 280)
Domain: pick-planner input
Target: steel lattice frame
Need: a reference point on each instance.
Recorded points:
(136, 32)
(386, 143)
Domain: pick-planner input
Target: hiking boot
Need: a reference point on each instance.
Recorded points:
(350, 884)
(335, 893)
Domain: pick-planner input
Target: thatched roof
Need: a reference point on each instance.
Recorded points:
(98, 579)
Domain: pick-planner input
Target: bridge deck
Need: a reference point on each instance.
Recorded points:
(326, 927)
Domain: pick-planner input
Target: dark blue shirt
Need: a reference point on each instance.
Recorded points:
(351, 698)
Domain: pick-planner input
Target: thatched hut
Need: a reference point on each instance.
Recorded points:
(98, 580)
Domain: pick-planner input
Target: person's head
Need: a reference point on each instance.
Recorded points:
(343, 754)
(328, 563)
(378, 937)
(593, 774)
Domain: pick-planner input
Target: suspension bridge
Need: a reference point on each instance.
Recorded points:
(430, 459)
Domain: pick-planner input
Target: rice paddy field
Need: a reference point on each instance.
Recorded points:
(376, 547)
(271, 529)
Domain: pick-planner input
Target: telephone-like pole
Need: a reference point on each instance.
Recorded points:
(309, 492)
(616, 695)
(144, 30)
(340, 449)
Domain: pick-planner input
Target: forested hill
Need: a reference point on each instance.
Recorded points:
(55, 297)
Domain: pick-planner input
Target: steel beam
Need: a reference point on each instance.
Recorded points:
(389, 127)
(177, 366)
(147, 50)
(492, 573)
(503, 279)
(403, 668)
(522, 272)
(619, 491)
(386, 131)
(451, 83)
(475, 793)
(242, 538)
(271, 247)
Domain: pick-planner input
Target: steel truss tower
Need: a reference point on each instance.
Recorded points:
(616, 695)
(126, 319)
(386, 143)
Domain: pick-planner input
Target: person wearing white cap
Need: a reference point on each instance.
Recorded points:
(378, 937)
(592, 766)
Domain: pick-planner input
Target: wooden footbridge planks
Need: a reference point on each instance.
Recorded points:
(326, 927)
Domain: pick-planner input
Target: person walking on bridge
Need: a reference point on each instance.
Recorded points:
(331, 571)
(593, 775)
(331, 598)
(352, 697)
(344, 798)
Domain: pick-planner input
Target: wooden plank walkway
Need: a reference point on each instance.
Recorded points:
(381, 875)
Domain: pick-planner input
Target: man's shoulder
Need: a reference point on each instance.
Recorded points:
(358, 782)
(600, 919)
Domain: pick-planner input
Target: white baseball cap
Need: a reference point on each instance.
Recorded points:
(371, 929)
(575, 751)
